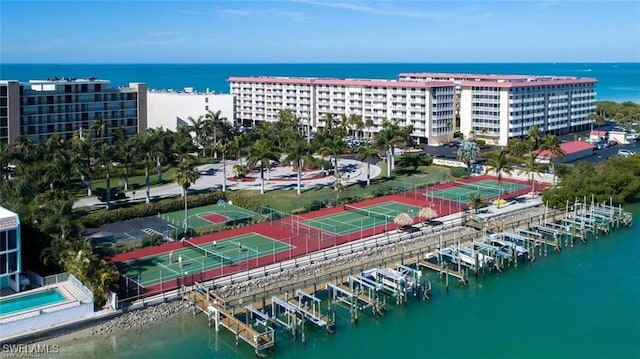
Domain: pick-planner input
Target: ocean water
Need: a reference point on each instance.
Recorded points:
(616, 81)
(581, 303)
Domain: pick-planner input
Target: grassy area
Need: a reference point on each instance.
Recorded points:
(289, 201)
(117, 182)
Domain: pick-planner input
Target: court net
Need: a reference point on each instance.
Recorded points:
(366, 212)
(480, 188)
(207, 253)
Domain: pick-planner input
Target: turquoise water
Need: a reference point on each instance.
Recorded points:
(30, 301)
(580, 303)
(616, 81)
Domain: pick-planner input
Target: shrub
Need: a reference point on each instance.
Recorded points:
(459, 172)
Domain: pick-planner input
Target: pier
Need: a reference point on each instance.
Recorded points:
(204, 301)
(365, 285)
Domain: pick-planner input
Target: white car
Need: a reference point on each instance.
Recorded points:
(624, 153)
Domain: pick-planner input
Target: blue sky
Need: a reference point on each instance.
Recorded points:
(144, 31)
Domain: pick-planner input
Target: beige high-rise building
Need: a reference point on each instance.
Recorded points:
(39, 109)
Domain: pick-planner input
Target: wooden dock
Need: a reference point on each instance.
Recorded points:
(206, 303)
(442, 271)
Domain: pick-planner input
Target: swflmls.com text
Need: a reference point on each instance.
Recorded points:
(27, 350)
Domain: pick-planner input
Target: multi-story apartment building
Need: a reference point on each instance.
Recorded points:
(500, 107)
(41, 108)
(10, 260)
(427, 106)
(170, 109)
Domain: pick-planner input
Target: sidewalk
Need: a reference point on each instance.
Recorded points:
(210, 177)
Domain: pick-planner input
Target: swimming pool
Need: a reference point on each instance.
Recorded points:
(24, 302)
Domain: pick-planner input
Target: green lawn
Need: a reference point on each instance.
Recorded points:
(288, 200)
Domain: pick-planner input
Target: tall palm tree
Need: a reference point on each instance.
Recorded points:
(329, 123)
(223, 148)
(366, 153)
(214, 125)
(534, 136)
(498, 162)
(5, 160)
(518, 148)
(263, 152)
(386, 140)
(54, 154)
(83, 146)
(298, 152)
(531, 167)
(99, 128)
(198, 127)
(106, 155)
(146, 143)
(368, 124)
(334, 147)
(185, 176)
(551, 143)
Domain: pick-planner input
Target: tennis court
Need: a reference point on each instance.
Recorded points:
(199, 258)
(356, 219)
(462, 191)
(202, 217)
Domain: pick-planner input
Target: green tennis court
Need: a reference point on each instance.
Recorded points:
(193, 258)
(356, 219)
(486, 188)
(202, 217)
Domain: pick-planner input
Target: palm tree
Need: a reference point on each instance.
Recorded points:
(127, 155)
(518, 148)
(298, 153)
(551, 143)
(366, 153)
(387, 139)
(185, 176)
(468, 153)
(5, 160)
(368, 123)
(99, 128)
(145, 143)
(476, 201)
(499, 163)
(334, 147)
(263, 152)
(106, 155)
(534, 135)
(223, 148)
(82, 144)
(531, 167)
(197, 126)
(214, 124)
(329, 123)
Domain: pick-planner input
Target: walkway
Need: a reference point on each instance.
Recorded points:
(280, 177)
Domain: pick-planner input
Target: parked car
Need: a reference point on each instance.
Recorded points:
(624, 153)
(115, 195)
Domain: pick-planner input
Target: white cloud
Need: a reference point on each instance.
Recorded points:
(387, 10)
(296, 16)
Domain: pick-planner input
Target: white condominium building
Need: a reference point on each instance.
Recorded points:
(427, 106)
(171, 109)
(500, 107)
(39, 109)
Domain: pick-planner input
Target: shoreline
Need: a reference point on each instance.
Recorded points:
(142, 318)
(138, 319)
